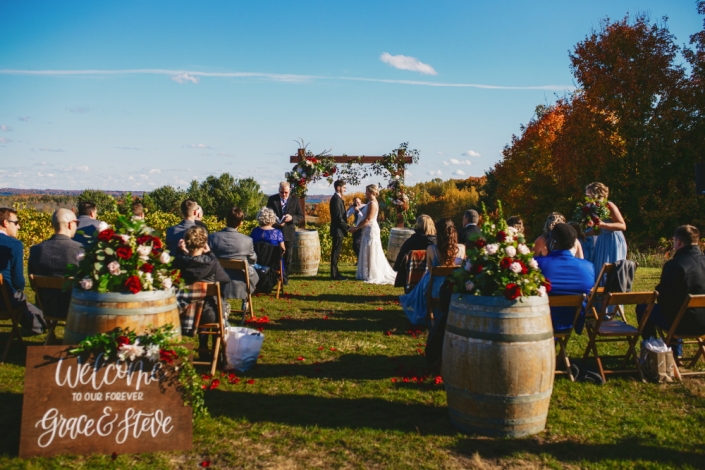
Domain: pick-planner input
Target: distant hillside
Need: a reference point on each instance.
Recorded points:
(58, 192)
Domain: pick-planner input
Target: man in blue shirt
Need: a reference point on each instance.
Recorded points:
(189, 210)
(568, 275)
(12, 270)
(87, 222)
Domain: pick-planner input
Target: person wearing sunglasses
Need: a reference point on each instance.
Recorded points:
(12, 270)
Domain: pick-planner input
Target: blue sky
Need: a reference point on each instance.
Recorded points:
(133, 95)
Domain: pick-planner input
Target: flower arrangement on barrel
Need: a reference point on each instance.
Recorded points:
(309, 169)
(499, 263)
(128, 258)
(590, 213)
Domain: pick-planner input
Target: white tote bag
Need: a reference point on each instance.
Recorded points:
(242, 347)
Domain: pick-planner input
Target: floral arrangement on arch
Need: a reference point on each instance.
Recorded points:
(591, 212)
(309, 169)
(499, 263)
(128, 258)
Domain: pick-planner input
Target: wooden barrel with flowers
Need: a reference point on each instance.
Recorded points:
(123, 280)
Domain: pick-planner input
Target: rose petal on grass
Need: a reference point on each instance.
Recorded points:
(300, 358)
(251, 381)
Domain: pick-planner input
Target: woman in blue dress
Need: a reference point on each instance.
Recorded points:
(446, 252)
(611, 245)
(266, 232)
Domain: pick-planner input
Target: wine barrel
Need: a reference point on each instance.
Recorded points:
(92, 313)
(306, 253)
(397, 237)
(498, 364)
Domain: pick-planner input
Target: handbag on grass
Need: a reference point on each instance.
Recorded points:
(242, 347)
(657, 361)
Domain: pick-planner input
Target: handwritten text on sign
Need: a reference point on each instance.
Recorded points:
(85, 405)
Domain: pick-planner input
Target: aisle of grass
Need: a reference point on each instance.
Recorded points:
(324, 397)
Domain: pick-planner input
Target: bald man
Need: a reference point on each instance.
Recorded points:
(50, 258)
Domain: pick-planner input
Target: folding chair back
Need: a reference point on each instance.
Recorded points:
(415, 269)
(602, 330)
(562, 337)
(691, 301)
(241, 265)
(216, 329)
(431, 301)
(271, 255)
(8, 312)
(598, 290)
(43, 283)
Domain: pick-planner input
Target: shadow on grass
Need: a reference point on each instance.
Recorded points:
(349, 320)
(11, 417)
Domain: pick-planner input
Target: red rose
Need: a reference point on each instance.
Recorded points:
(512, 291)
(325, 174)
(480, 242)
(122, 340)
(106, 235)
(144, 239)
(176, 274)
(505, 263)
(547, 285)
(124, 252)
(147, 268)
(476, 269)
(524, 268)
(501, 236)
(586, 209)
(133, 284)
(596, 220)
(156, 243)
(167, 355)
(334, 169)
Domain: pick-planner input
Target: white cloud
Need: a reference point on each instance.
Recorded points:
(470, 153)
(5, 128)
(403, 62)
(455, 161)
(223, 154)
(4, 140)
(459, 173)
(128, 148)
(445, 162)
(82, 168)
(185, 77)
(435, 173)
(50, 150)
(440, 153)
(197, 146)
(23, 118)
(155, 171)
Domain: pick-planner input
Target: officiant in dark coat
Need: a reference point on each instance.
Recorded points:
(287, 209)
(338, 228)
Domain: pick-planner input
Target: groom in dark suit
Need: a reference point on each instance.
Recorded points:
(338, 228)
(288, 211)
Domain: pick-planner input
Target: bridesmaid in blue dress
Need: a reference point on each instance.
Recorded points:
(611, 245)
(446, 252)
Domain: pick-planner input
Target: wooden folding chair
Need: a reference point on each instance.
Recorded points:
(280, 275)
(431, 301)
(44, 283)
(241, 265)
(216, 329)
(562, 337)
(691, 301)
(598, 291)
(603, 331)
(415, 269)
(8, 312)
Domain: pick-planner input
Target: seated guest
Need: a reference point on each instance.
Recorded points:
(87, 222)
(682, 275)
(50, 258)
(230, 244)
(137, 211)
(541, 243)
(586, 243)
(470, 220)
(568, 275)
(199, 219)
(516, 223)
(189, 211)
(424, 235)
(200, 265)
(12, 270)
(266, 231)
(446, 252)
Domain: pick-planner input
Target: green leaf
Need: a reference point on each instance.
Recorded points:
(109, 251)
(98, 266)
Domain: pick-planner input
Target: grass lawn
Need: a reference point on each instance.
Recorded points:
(323, 397)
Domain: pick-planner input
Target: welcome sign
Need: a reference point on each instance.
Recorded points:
(87, 404)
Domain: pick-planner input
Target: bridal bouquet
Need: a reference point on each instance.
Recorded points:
(499, 263)
(590, 213)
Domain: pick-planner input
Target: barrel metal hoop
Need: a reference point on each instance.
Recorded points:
(93, 311)
(505, 399)
(497, 421)
(499, 314)
(501, 337)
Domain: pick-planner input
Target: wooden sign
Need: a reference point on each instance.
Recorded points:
(87, 405)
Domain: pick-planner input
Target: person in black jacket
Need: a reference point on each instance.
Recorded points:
(287, 209)
(424, 236)
(470, 220)
(682, 275)
(338, 228)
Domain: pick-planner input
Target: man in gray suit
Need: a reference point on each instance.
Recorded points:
(50, 258)
(189, 210)
(231, 244)
(87, 222)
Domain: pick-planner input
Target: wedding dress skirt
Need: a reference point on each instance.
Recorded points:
(372, 264)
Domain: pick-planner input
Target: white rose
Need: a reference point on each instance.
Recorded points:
(86, 283)
(166, 283)
(469, 286)
(124, 238)
(148, 278)
(143, 252)
(102, 226)
(164, 257)
(152, 352)
(523, 249)
(515, 267)
(542, 291)
(80, 256)
(492, 248)
(468, 266)
(510, 251)
(533, 264)
(512, 232)
(114, 268)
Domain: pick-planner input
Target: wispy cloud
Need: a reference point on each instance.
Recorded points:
(82, 168)
(403, 62)
(5, 128)
(459, 173)
(185, 77)
(440, 153)
(155, 171)
(276, 77)
(50, 150)
(24, 118)
(435, 173)
(446, 162)
(3, 140)
(78, 109)
(223, 154)
(455, 161)
(127, 148)
(470, 153)
(197, 146)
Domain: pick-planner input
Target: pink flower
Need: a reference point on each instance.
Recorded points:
(510, 251)
(515, 267)
(114, 268)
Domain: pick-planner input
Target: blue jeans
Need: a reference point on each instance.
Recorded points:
(656, 319)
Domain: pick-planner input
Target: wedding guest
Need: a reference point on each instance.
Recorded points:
(288, 211)
(12, 270)
(541, 247)
(189, 211)
(137, 211)
(52, 256)
(682, 275)
(610, 245)
(446, 252)
(338, 228)
(586, 243)
(470, 220)
(424, 236)
(356, 210)
(516, 223)
(199, 219)
(231, 244)
(266, 232)
(87, 222)
(568, 275)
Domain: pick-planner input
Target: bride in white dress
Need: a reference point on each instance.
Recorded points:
(372, 265)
